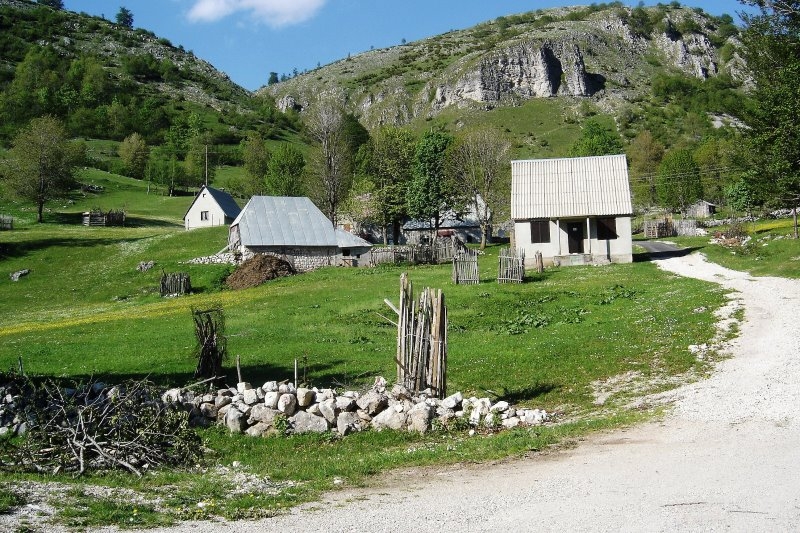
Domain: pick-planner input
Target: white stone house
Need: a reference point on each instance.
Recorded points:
(211, 207)
(294, 229)
(573, 210)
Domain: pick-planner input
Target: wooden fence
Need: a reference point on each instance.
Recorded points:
(99, 218)
(421, 340)
(175, 284)
(6, 222)
(465, 267)
(654, 229)
(441, 251)
(512, 266)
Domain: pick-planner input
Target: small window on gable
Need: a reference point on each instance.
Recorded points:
(203, 215)
(540, 231)
(606, 229)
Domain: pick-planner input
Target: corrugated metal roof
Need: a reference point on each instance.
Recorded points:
(579, 186)
(345, 239)
(284, 221)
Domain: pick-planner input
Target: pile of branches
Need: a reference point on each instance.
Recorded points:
(92, 427)
(209, 328)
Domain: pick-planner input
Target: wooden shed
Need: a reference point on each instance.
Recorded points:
(573, 210)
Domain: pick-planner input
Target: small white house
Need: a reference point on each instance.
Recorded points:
(573, 210)
(211, 207)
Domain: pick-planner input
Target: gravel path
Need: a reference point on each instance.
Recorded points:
(726, 458)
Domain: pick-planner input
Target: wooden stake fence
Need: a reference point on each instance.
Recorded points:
(177, 283)
(512, 266)
(6, 222)
(421, 340)
(465, 267)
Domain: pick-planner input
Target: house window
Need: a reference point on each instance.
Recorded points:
(203, 215)
(540, 231)
(606, 229)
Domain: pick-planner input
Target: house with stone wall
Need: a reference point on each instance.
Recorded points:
(574, 211)
(294, 229)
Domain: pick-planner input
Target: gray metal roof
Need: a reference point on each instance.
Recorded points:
(225, 201)
(284, 221)
(579, 186)
(345, 239)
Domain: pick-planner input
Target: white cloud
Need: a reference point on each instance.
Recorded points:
(274, 12)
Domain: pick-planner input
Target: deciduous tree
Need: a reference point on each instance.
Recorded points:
(479, 166)
(134, 152)
(596, 139)
(644, 156)
(125, 17)
(430, 193)
(772, 51)
(390, 170)
(330, 159)
(284, 175)
(41, 163)
(678, 180)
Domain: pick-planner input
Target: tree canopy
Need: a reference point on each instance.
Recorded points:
(429, 193)
(596, 139)
(41, 163)
(480, 170)
(772, 50)
(124, 17)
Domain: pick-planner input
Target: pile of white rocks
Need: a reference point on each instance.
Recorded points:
(278, 408)
(222, 258)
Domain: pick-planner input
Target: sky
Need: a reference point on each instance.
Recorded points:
(248, 39)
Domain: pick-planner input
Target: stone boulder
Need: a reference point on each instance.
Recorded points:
(304, 422)
(373, 402)
(389, 419)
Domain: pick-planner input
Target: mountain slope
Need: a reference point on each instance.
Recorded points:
(607, 54)
(166, 68)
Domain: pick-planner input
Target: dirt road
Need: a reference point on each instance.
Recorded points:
(726, 458)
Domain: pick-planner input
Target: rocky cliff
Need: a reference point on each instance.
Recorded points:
(565, 53)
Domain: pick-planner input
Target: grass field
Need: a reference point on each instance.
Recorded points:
(85, 311)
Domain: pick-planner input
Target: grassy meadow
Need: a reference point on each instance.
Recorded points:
(85, 311)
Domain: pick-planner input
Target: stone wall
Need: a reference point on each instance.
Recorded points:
(276, 408)
(303, 259)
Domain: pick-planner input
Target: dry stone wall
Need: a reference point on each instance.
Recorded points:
(276, 408)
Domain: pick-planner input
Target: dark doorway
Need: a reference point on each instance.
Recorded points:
(575, 237)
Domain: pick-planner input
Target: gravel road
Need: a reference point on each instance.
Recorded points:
(725, 458)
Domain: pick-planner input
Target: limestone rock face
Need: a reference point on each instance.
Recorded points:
(530, 70)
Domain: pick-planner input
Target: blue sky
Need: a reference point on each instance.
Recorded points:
(248, 39)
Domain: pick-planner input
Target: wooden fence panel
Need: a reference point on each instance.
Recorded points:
(421, 340)
(175, 284)
(6, 222)
(511, 268)
(465, 267)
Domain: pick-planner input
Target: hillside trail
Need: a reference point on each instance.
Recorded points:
(726, 457)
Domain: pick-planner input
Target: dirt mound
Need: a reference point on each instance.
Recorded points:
(257, 270)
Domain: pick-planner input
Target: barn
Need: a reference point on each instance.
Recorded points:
(574, 211)
(211, 207)
(294, 229)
